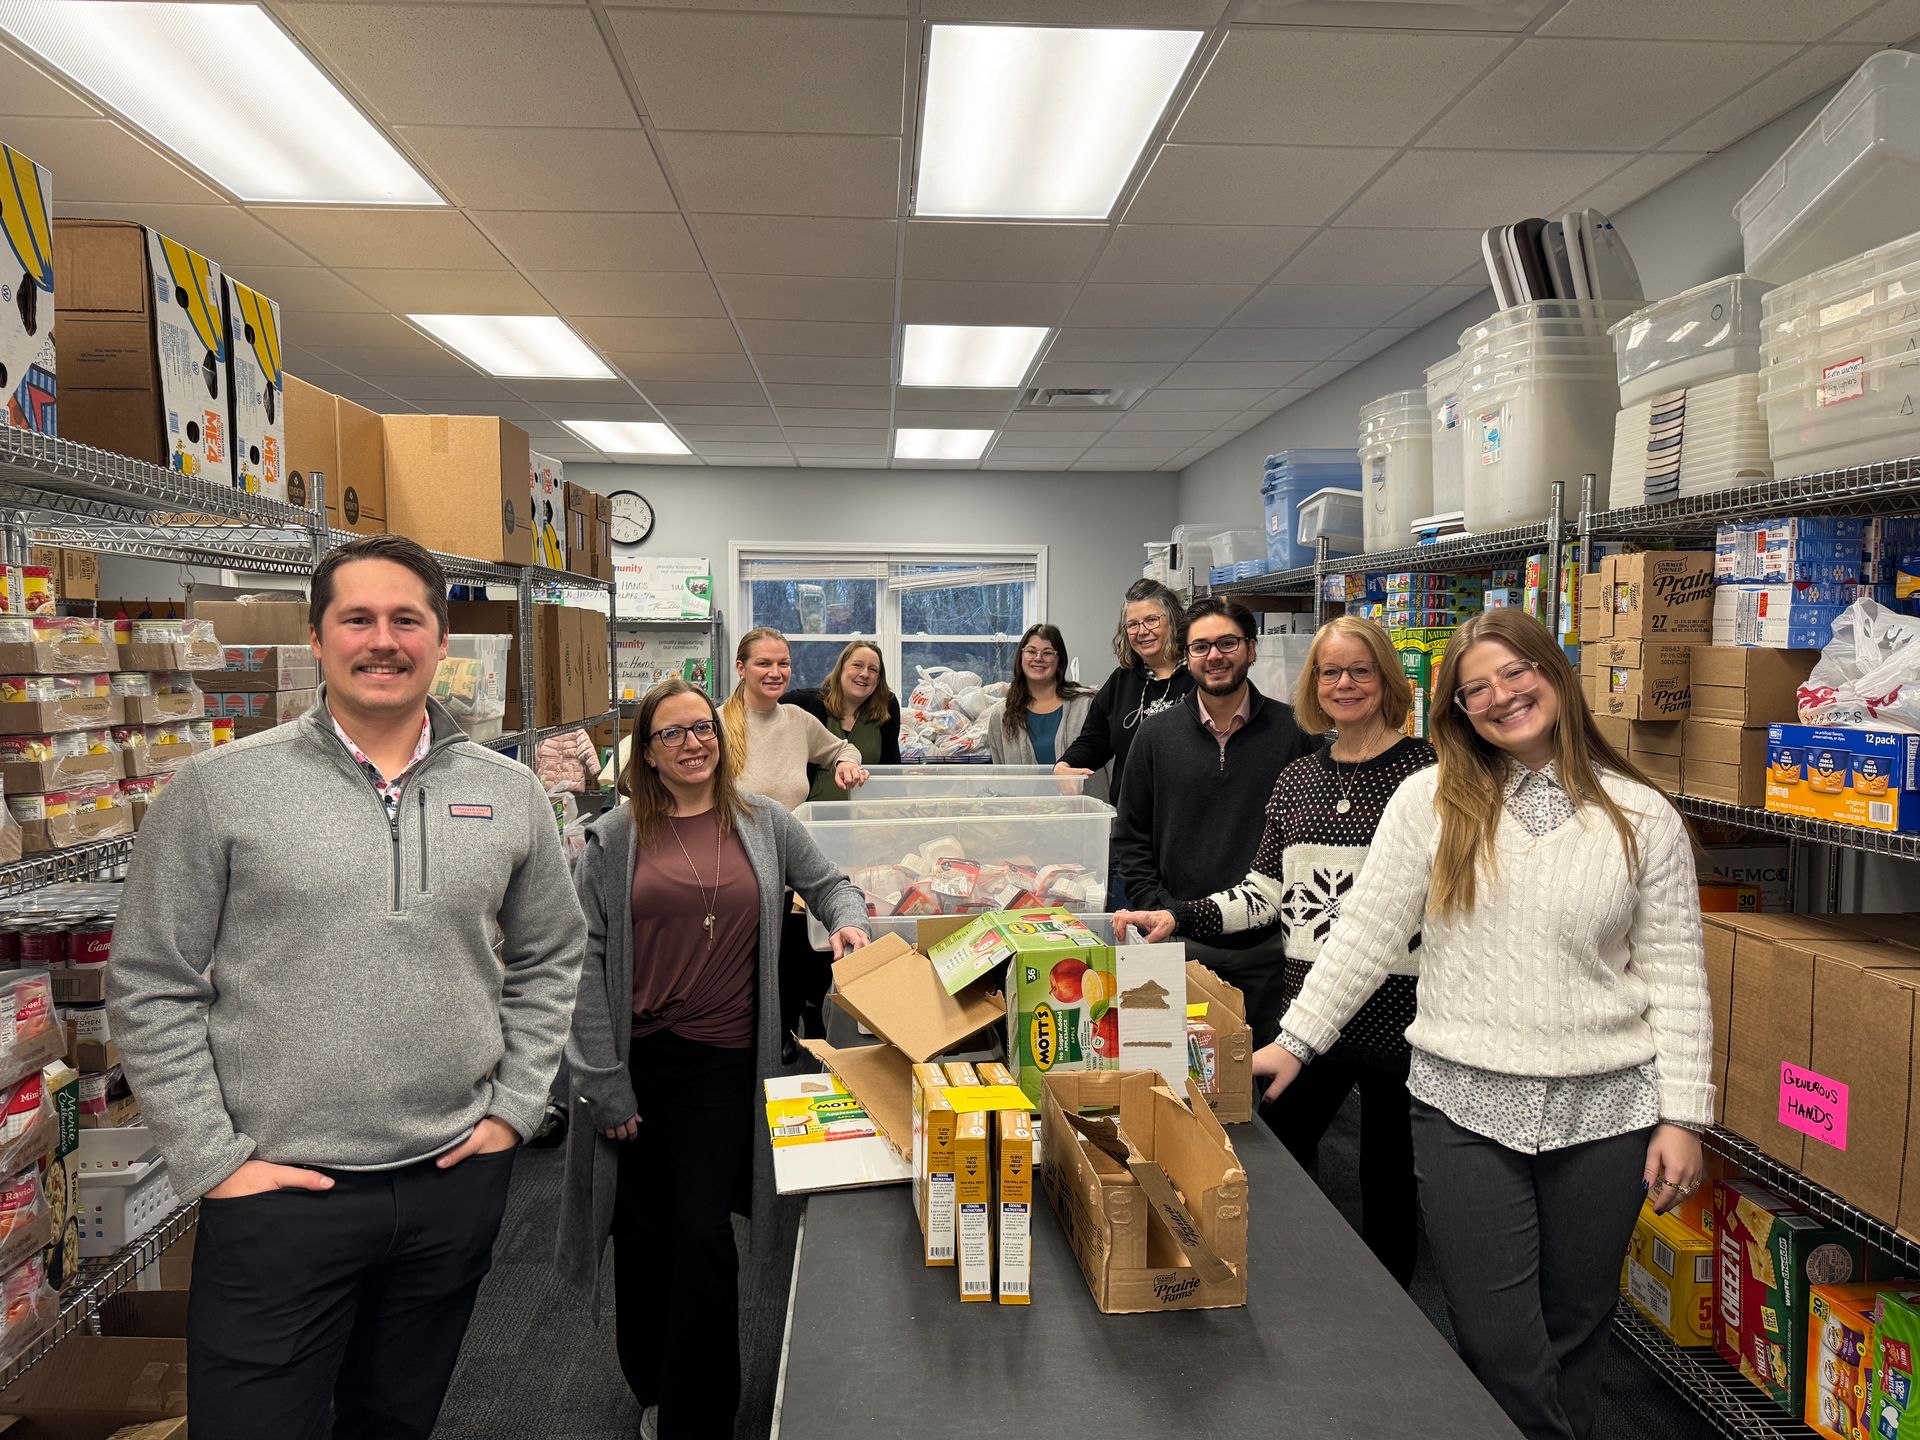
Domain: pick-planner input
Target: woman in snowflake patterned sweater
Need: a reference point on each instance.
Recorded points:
(1320, 822)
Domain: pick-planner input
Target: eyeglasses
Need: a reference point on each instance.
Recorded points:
(675, 736)
(1361, 674)
(1522, 677)
(1039, 654)
(1148, 625)
(1228, 645)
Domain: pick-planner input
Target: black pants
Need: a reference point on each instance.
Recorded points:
(352, 1301)
(675, 1268)
(1388, 1203)
(1529, 1250)
(805, 974)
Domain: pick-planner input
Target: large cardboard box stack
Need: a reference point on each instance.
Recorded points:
(596, 664)
(255, 386)
(458, 484)
(1662, 597)
(1637, 679)
(142, 347)
(560, 679)
(261, 686)
(1737, 693)
(27, 357)
(99, 1387)
(343, 444)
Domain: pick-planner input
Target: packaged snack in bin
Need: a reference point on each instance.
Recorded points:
(20, 1201)
(133, 683)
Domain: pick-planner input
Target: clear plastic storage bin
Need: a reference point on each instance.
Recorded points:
(1396, 461)
(974, 782)
(1703, 334)
(472, 683)
(1340, 515)
(1449, 433)
(1526, 428)
(1237, 546)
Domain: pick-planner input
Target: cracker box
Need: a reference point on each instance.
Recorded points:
(1013, 1205)
(1869, 778)
(1840, 1357)
(27, 362)
(1669, 1276)
(547, 484)
(1771, 1255)
(256, 392)
(1896, 1340)
(973, 1204)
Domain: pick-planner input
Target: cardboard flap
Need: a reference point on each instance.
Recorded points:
(881, 1079)
(892, 989)
(1216, 991)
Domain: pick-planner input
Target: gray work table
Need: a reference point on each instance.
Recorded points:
(1327, 1345)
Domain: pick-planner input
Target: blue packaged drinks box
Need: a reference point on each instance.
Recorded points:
(1869, 778)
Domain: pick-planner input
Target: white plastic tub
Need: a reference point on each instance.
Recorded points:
(1340, 515)
(1396, 468)
(1849, 405)
(1547, 320)
(1527, 429)
(123, 1186)
(1849, 182)
(1449, 433)
(1700, 335)
(1231, 547)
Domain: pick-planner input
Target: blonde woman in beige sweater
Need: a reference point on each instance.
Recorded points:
(1562, 1033)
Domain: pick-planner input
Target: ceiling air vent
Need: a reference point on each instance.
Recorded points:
(1071, 397)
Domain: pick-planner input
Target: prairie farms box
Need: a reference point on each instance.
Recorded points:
(1655, 595)
(27, 361)
(257, 408)
(1869, 778)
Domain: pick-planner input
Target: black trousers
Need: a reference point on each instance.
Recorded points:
(1529, 1249)
(805, 974)
(1389, 1206)
(340, 1312)
(675, 1267)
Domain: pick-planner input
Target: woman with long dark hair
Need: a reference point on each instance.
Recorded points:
(1044, 711)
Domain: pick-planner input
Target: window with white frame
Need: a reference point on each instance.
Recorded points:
(924, 606)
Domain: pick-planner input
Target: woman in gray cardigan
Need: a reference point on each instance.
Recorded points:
(674, 1028)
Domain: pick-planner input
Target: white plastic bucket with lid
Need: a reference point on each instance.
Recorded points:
(1449, 433)
(1700, 335)
(1396, 467)
(1527, 429)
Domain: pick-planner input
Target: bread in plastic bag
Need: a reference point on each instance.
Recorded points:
(1868, 676)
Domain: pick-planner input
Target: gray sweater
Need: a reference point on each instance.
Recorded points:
(783, 857)
(295, 979)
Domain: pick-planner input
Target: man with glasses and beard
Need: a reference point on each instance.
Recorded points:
(1192, 802)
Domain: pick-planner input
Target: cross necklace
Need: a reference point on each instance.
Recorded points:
(712, 897)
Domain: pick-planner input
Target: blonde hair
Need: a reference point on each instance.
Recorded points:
(1396, 691)
(649, 802)
(733, 714)
(1472, 772)
(834, 697)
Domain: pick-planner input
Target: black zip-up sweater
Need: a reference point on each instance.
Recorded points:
(1191, 814)
(1129, 699)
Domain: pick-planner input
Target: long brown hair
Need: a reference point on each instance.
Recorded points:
(1472, 772)
(733, 715)
(833, 695)
(1019, 696)
(1173, 634)
(649, 801)
(1396, 691)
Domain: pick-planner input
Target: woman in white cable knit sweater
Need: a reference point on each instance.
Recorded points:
(1562, 1035)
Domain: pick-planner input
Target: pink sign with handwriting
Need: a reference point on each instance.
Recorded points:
(1813, 1104)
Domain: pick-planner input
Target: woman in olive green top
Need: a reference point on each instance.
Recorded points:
(854, 702)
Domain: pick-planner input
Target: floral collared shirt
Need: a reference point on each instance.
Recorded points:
(389, 789)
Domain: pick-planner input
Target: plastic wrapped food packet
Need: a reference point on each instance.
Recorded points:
(132, 683)
(19, 1201)
(22, 1108)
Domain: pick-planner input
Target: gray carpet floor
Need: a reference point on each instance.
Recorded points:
(535, 1366)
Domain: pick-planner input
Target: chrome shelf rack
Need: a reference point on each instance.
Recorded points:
(1732, 1404)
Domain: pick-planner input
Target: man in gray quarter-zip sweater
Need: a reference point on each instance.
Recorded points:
(342, 975)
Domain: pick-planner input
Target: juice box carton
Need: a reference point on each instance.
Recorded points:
(1840, 1357)
(1771, 1256)
(1869, 778)
(1669, 1276)
(973, 1204)
(1013, 1205)
(934, 1124)
(1896, 1339)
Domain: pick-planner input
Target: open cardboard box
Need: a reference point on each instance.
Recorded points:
(1232, 1100)
(89, 1386)
(1125, 1244)
(893, 990)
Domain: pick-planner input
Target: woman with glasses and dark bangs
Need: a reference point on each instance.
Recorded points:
(1044, 711)
(684, 889)
(1562, 1032)
(1319, 823)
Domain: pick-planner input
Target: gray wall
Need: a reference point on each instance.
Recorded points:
(1681, 235)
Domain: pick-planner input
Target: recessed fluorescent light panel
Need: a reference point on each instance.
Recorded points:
(969, 357)
(519, 347)
(940, 444)
(1030, 122)
(628, 437)
(227, 90)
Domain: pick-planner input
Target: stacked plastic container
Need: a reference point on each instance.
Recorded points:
(1690, 418)
(1449, 434)
(1396, 467)
(1292, 476)
(1238, 554)
(1539, 396)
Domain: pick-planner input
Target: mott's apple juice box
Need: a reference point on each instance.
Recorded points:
(1896, 1340)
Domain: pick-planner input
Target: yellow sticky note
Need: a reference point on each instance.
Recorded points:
(1197, 1011)
(971, 1099)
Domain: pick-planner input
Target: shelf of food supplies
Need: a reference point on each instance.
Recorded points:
(92, 861)
(514, 739)
(690, 622)
(45, 473)
(1790, 1184)
(1450, 553)
(1730, 1403)
(1859, 489)
(1895, 844)
(1277, 582)
(99, 1281)
(275, 550)
(563, 579)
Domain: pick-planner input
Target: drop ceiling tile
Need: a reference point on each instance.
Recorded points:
(1807, 74)
(1048, 442)
(904, 417)
(782, 73)
(302, 289)
(1474, 189)
(798, 245)
(306, 364)
(97, 161)
(439, 389)
(915, 397)
(1197, 254)
(518, 411)
(987, 250)
(1368, 346)
(1047, 427)
(983, 302)
(1233, 375)
(823, 438)
(1314, 305)
(811, 337)
(716, 414)
(1178, 402)
(642, 368)
(733, 450)
(1319, 375)
(29, 92)
(1443, 300)
(1894, 23)
(629, 408)
(1080, 12)
(450, 292)
(1352, 257)
(597, 241)
(322, 331)
(360, 360)
(1156, 306)
(1169, 441)
(1642, 177)
(812, 417)
(1297, 87)
(386, 239)
(1702, 19)
(1112, 463)
(1165, 421)
(825, 369)
(1609, 95)
(1076, 374)
(496, 167)
(845, 175)
(498, 65)
(670, 294)
(876, 450)
(730, 434)
(808, 297)
(1276, 344)
(811, 7)
(220, 229)
(555, 396)
(712, 392)
(1124, 344)
(816, 396)
(627, 335)
(1251, 184)
(1021, 457)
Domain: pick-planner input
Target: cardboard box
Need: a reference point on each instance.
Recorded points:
(560, 695)
(936, 1125)
(458, 484)
(1150, 998)
(255, 622)
(257, 413)
(273, 707)
(141, 345)
(582, 527)
(27, 356)
(596, 662)
(892, 989)
(1128, 1249)
(973, 1205)
(1615, 730)
(1869, 778)
(357, 496)
(1655, 737)
(167, 708)
(1654, 595)
(266, 667)
(1840, 1346)
(1771, 1255)
(313, 443)
(89, 1386)
(502, 617)
(75, 573)
(547, 494)
(1669, 1277)
(165, 759)
(1013, 1206)
(1226, 1012)
(1750, 686)
(1634, 680)
(77, 827)
(36, 777)
(46, 717)
(1729, 784)
(824, 1138)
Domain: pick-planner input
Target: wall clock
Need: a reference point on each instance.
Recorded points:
(632, 517)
